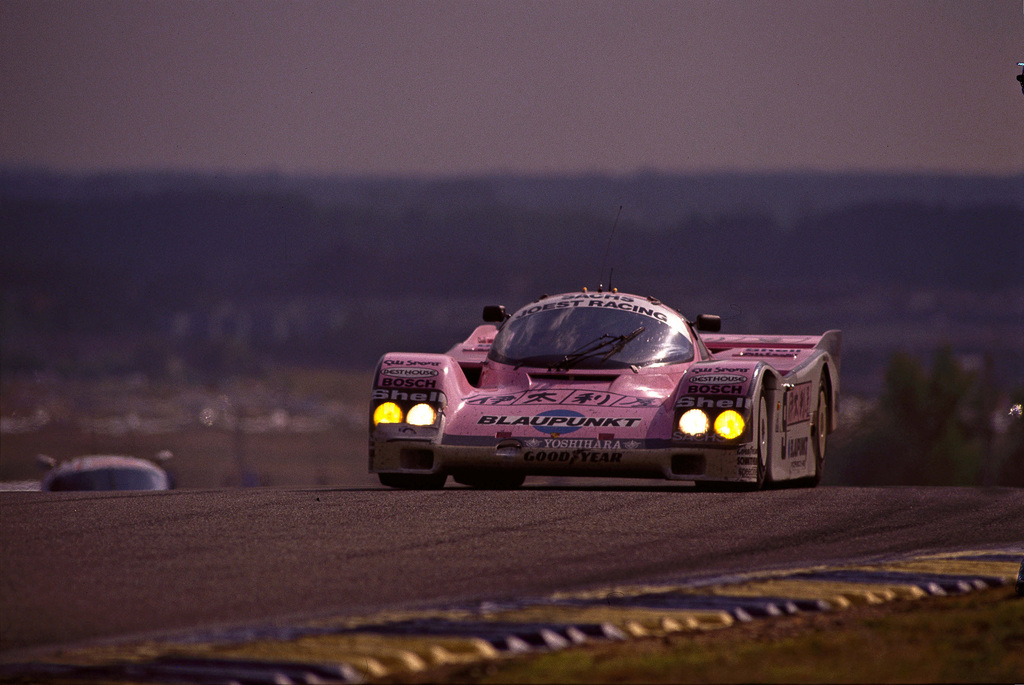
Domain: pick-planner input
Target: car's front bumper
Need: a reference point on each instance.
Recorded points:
(409, 450)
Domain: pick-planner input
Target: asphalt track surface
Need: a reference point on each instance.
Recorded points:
(82, 567)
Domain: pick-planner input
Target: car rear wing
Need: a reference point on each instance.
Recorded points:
(784, 352)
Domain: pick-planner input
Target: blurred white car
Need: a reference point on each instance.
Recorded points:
(105, 472)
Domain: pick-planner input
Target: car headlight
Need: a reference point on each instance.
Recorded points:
(388, 412)
(421, 415)
(694, 422)
(729, 424)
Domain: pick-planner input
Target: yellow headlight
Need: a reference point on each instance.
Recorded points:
(422, 415)
(729, 424)
(389, 412)
(694, 422)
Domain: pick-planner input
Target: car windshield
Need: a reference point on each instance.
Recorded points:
(590, 338)
(109, 479)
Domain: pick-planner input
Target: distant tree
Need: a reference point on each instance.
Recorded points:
(930, 427)
(1009, 446)
(953, 455)
(901, 418)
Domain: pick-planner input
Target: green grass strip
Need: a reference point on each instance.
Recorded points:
(973, 638)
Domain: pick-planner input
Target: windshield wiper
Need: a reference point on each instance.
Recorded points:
(608, 344)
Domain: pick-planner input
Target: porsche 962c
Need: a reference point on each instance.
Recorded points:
(605, 384)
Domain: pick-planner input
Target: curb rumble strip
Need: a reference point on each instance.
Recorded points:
(375, 647)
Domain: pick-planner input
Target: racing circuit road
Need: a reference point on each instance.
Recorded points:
(83, 566)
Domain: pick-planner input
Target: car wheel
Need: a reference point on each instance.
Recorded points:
(413, 481)
(819, 434)
(491, 481)
(763, 465)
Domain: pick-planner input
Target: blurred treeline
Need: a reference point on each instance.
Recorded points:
(934, 424)
(211, 275)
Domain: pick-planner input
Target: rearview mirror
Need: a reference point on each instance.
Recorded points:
(709, 323)
(494, 313)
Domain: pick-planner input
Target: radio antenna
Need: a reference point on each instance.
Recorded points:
(604, 262)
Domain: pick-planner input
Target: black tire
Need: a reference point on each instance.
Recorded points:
(505, 480)
(761, 438)
(762, 435)
(413, 481)
(819, 434)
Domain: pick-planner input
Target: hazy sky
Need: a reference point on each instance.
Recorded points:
(467, 87)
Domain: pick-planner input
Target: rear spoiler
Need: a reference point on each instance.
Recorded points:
(774, 347)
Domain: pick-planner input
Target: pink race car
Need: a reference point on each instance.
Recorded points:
(605, 384)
